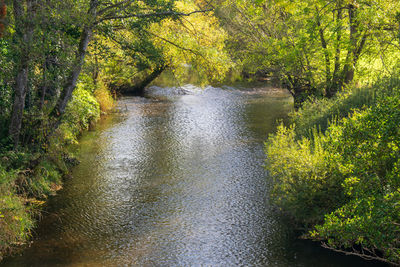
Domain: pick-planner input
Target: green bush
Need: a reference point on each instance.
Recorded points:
(26, 176)
(369, 145)
(344, 182)
(43, 181)
(319, 113)
(15, 218)
(82, 111)
(303, 172)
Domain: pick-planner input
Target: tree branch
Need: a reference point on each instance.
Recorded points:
(157, 14)
(104, 10)
(359, 254)
(176, 45)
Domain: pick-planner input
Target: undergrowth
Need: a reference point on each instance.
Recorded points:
(28, 177)
(336, 171)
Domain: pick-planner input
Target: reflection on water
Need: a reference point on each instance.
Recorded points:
(176, 180)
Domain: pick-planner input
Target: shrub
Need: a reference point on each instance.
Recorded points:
(318, 113)
(369, 145)
(81, 112)
(345, 181)
(104, 99)
(15, 218)
(44, 180)
(303, 182)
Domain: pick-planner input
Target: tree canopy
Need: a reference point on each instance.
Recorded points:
(50, 46)
(314, 46)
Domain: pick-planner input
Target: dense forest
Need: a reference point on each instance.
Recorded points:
(334, 167)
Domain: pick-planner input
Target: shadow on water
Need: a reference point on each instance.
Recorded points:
(175, 180)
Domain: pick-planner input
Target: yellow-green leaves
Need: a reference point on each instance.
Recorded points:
(345, 180)
(196, 40)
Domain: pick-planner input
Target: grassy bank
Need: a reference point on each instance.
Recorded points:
(28, 177)
(335, 170)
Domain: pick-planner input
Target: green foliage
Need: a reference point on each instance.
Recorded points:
(105, 99)
(345, 181)
(304, 184)
(197, 41)
(82, 111)
(319, 112)
(44, 180)
(20, 187)
(15, 218)
(369, 146)
(313, 47)
(127, 56)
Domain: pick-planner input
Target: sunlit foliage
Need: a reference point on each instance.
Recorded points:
(343, 180)
(314, 47)
(197, 41)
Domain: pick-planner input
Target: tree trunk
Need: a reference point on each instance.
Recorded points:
(68, 89)
(333, 86)
(70, 85)
(324, 45)
(24, 33)
(44, 85)
(139, 88)
(20, 90)
(351, 60)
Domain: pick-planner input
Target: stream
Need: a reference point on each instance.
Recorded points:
(175, 179)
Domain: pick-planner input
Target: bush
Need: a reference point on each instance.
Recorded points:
(44, 180)
(15, 219)
(82, 111)
(104, 99)
(319, 113)
(304, 184)
(344, 182)
(31, 174)
(26, 176)
(369, 145)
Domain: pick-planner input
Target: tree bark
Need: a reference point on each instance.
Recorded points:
(70, 85)
(44, 85)
(349, 67)
(325, 49)
(24, 34)
(139, 88)
(68, 89)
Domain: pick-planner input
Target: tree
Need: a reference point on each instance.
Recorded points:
(24, 26)
(132, 54)
(313, 46)
(52, 40)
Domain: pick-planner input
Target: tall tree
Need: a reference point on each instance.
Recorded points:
(24, 15)
(312, 46)
(53, 25)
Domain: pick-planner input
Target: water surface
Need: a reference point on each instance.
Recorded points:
(175, 180)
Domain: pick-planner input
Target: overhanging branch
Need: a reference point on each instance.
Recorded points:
(157, 14)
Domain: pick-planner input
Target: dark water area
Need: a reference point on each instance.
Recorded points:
(175, 179)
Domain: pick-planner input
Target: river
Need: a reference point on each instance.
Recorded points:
(175, 179)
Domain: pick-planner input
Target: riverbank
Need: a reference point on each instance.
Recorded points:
(29, 176)
(335, 170)
(175, 180)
